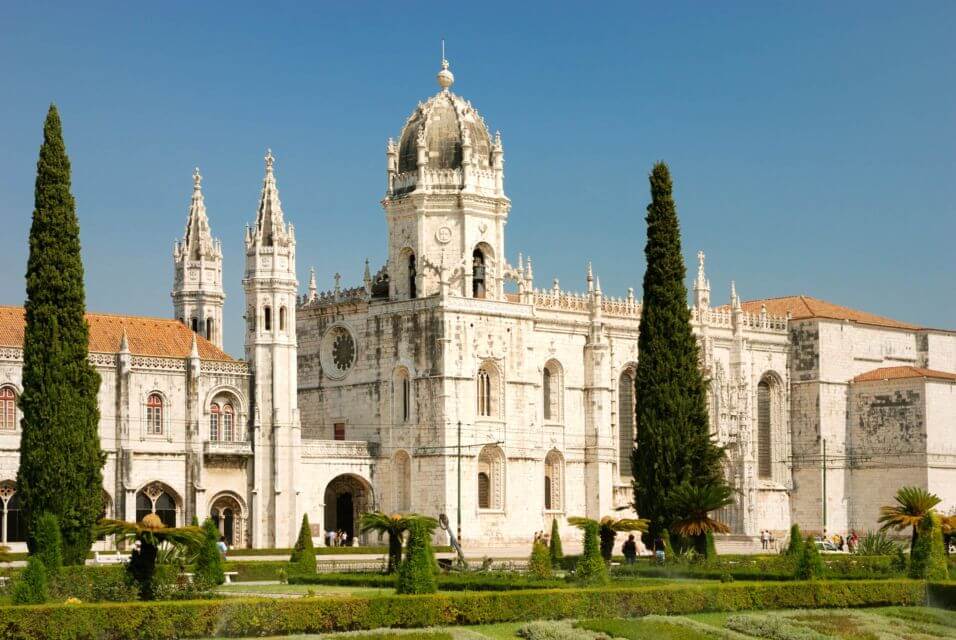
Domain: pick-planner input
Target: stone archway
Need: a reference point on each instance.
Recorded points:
(347, 497)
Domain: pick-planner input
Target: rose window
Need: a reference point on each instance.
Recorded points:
(343, 351)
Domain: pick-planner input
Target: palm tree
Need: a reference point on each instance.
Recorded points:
(693, 503)
(394, 526)
(147, 536)
(912, 503)
(608, 528)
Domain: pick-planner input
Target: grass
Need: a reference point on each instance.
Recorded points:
(501, 631)
(643, 629)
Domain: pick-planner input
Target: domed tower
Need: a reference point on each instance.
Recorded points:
(197, 293)
(445, 205)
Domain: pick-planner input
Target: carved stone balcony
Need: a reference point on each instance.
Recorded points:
(350, 449)
(230, 449)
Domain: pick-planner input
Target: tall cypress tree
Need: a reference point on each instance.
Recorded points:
(61, 464)
(673, 442)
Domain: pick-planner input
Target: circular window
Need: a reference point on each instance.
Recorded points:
(338, 352)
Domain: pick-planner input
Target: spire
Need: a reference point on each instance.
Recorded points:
(312, 287)
(124, 342)
(445, 77)
(197, 241)
(269, 223)
(590, 277)
(701, 285)
(367, 278)
(734, 300)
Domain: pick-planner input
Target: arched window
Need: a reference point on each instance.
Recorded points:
(194, 324)
(14, 527)
(553, 484)
(215, 418)
(267, 318)
(154, 415)
(478, 274)
(209, 323)
(154, 498)
(627, 421)
(282, 319)
(486, 403)
(764, 430)
(228, 423)
(551, 391)
(403, 481)
(491, 478)
(412, 274)
(8, 409)
(406, 398)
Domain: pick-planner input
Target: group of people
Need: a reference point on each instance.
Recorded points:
(542, 537)
(767, 540)
(338, 538)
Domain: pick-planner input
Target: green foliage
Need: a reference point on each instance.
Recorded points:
(209, 560)
(394, 526)
(539, 564)
(591, 568)
(417, 572)
(668, 548)
(556, 630)
(498, 581)
(710, 547)
(899, 560)
(928, 558)
(795, 546)
(248, 617)
(92, 583)
(31, 587)
(61, 461)
(673, 443)
(554, 547)
(875, 543)
(912, 503)
(195, 521)
(809, 564)
(142, 569)
(303, 553)
(47, 543)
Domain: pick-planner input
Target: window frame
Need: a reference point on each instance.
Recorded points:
(9, 409)
(155, 413)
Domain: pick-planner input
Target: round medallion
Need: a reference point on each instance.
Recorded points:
(338, 352)
(443, 235)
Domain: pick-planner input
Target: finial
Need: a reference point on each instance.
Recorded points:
(124, 342)
(445, 77)
(338, 282)
(197, 180)
(270, 160)
(312, 286)
(597, 286)
(700, 262)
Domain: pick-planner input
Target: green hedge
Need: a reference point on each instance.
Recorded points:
(257, 569)
(320, 550)
(446, 582)
(264, 616)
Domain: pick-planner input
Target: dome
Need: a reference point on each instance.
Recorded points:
(442, 123)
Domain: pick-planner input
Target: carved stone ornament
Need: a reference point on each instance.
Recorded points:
(338, 352)
(443, 235)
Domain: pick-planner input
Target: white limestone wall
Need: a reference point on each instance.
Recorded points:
(940, 444)
(940, 350)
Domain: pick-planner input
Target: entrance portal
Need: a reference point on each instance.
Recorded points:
(346, 498)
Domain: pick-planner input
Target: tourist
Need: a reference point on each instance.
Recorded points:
(630, 550)
(344, 539)
(329, 538)
(222, 546)
(764, 539)
(772, 540)
(659, 549)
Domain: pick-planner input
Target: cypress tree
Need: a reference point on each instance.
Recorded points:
(61, 463)
(209, 569)
(49, 544)
(417, 572)
(554, 549)
(303, 553)
(673, 443)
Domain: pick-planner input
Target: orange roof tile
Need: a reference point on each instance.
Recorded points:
(159, 337)
(804, 307)
(899, 373)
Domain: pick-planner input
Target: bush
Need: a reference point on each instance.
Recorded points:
(303, 554)
(668, 548)
(446, 582)
(710, 547)
(265, 616)
(875, 543)
(209, 560)
(795, 546)
(591, 568)
(928, 558)
(48, 544)
(809, 564)
(31, 587)
(93, 584)
(554, 548)
(253, 570)
(416, 574)
(556, 630)
(539, 565)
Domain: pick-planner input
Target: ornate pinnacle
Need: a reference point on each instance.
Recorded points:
(270, 160)
(197, 180)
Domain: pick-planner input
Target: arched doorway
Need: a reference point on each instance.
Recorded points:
(228, 513)
(347, 497)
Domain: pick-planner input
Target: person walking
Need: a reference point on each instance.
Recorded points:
(222, 547)
(329, 538)
(630, 550)
(659, 549)
(764, 539)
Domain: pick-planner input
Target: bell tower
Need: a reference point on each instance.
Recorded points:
(197, 263)
(271, 289)
(445, 202)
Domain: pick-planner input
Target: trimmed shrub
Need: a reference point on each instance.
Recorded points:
(209, 561)
(252, 570)
(93, 584)
(710, 547)
(554, 548)
(539, 564)
(303, 554)
(557, 630)
(795, 546)
(928, 558)
(591, 568)
(446, 582)
(809, 564)
(416, 574)
(31, 587)
(242, 617)
(48, 544)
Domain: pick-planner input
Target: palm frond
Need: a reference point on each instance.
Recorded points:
(698, 526)
(629, 524)
(912, 503)
(581, 522)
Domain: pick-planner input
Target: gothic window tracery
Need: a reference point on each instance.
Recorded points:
(627, 421)
(478, 289)
(154, 415)
(491, 469)
(553, 482)
(155, 498)
(229, 517)
(768, 424)
(13, 526)
(486, 388)
(552, 390)
(8, 409)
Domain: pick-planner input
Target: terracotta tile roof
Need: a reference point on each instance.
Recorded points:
(158, 337)
(804, 307)
(899, 373)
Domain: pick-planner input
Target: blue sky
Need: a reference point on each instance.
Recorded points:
(813, 145)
